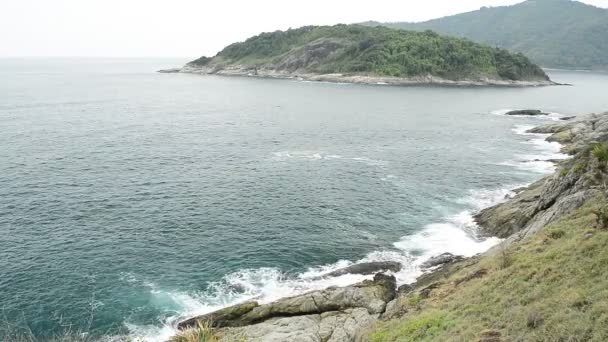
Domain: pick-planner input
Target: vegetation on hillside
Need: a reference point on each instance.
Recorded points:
(553, 33)
(355, 49)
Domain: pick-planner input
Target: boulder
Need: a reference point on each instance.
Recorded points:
(405, 289)
(366, 268)
(221, 317)
(532, 112)
(371, 295)
(442, 259)
(349, 325)
(169, 71)
(509, 217)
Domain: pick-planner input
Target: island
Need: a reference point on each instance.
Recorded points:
(371, 55)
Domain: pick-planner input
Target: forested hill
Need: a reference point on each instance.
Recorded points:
(376, 51)
(553, 33)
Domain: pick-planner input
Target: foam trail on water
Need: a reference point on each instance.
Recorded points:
(547, 152)
(455, 233)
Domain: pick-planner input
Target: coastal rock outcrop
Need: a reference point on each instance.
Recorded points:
(552, 197)
(440, 260)
(529, 112)
(332, 326)
(332, 314)
(366, 268)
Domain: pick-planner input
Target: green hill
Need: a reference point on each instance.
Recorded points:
(553, 33)
(368, 51)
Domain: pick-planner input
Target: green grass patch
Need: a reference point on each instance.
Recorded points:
(424, 327)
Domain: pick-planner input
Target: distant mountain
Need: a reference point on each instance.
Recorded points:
(553, 33)
(362, 54)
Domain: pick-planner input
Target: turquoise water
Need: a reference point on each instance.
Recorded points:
(129, 199)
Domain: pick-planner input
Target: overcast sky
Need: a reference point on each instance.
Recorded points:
(188, 28)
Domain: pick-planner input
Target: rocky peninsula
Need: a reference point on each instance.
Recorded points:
(370, 55)
(552, 228)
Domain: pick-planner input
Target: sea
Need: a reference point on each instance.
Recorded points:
(131, 199)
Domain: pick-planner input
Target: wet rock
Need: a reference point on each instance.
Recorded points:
(555, 196)
(532, 112)
(169, 71)
(372, 295)
(566, 118)
(507, 218)
(442, 259)
(366, 268)
(221, 317)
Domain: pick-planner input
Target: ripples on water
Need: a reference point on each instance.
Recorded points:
(147, 197)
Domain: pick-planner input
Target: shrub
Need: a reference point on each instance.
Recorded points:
(600, 151)
(556, 234)
(601, 217)
(202, 333)
(505, 260)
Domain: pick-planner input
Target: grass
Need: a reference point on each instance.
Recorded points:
(553, 288)
(600, 151)
(202, 333)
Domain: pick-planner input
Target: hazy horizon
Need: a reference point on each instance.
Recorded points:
(140, 29)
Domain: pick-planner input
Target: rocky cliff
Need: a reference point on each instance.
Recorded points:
(578, 179)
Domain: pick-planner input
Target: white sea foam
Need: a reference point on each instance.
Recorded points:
(456, 233)
(541, 162)
(320, 156)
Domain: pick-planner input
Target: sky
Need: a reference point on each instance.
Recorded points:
(189, 28)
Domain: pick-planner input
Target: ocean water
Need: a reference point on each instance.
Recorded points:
(131, 199)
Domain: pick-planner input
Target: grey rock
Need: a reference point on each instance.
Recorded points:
(349, 325)
(549, 199)
(531, 112)
(441, 259)
(366, 268)
(371, 295)
(221, 317)
(169, 71)
(405, 289)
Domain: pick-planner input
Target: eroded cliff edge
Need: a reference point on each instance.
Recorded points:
(578, 179)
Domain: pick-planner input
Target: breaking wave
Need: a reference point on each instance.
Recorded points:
(455, 233)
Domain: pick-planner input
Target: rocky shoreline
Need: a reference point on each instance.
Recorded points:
(554, 196)
(346, 314)
(245, 71)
